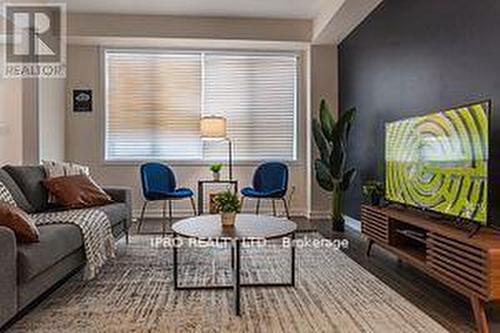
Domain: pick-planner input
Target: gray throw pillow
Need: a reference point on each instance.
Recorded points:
(15, 192)
(29, 179)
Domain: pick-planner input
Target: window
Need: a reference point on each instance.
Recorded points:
(153, 106)
(154, 102)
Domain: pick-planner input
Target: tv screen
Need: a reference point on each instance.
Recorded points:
(440, 161)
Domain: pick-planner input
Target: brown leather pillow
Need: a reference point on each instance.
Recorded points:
(16, 219)
(78, 191)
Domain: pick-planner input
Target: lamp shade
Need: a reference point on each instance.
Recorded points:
(213, 127)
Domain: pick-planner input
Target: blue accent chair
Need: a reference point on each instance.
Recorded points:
(270, 181)
(158, 184)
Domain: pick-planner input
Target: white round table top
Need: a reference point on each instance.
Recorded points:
(247, 226)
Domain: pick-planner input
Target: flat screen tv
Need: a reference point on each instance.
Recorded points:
(439, 161)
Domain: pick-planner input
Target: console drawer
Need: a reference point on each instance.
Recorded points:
(459, 262)
(375, 224)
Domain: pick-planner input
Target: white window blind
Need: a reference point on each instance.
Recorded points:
(154, 102)
(153, 106)
(257, 95)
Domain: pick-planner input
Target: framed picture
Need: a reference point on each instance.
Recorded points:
(82, 100)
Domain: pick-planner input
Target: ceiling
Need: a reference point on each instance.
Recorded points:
(293, 9)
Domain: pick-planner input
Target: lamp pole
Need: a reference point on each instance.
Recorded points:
(230, 159)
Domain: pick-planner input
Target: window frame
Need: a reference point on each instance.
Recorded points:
(103, 118)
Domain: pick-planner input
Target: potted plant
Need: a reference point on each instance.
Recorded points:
(373, 192)
(331, 169)
(216, 168)
(228, 205)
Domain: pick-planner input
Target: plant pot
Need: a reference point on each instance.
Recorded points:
(338, 225)
(216, 176)
(228, 219)
(336, 216)
(375, 200)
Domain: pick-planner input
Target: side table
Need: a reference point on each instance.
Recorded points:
(201, 188)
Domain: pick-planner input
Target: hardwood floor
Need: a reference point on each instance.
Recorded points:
(450, 309)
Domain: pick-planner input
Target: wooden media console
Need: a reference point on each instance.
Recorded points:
(469, 265)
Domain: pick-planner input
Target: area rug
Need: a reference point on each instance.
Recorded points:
(134, 293)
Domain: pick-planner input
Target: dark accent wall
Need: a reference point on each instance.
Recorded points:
(412, 57)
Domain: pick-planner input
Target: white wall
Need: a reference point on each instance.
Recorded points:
(338, 18)
(323, 83)
(35, 122)
(84, 141)
(158, 26)
(51, 109)
(83, 136)
(11, 118)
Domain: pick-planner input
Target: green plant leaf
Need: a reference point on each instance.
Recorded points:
(345, 122)
(323, 175)
(348, 179)
(227, 202)
(326, 119)
(216, 167)
(320, 140)
(337, 158)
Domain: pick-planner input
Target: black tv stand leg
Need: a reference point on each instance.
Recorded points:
(369, 247)
(475, 228)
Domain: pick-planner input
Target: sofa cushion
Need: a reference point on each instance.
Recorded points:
(28, 291)
(29, 179)
(56, 242)
(15, 191)
(116, 212)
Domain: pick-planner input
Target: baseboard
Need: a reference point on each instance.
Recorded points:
(349, 221)
(352, 223)
(179, 213)
(317, 215)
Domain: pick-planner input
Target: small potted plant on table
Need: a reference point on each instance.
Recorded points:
(373, 192)
(216, 168)
(228, 205)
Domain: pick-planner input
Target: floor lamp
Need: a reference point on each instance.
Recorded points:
(215, 128)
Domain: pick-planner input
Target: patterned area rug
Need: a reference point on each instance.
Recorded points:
(134, 293)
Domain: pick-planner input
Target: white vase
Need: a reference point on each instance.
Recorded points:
(216, 176)
(228, 219)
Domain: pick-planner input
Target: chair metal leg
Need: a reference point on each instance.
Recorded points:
(193, 205)
(257, 207)
(163, 219)
(141, 218)
(170, 212)
(242, 201)
(274, 207)
(286, 208)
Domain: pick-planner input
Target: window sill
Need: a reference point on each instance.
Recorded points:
(296, 163)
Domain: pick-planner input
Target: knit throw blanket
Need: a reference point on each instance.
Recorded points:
(95, 226)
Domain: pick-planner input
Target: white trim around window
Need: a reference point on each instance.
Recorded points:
(208, 82)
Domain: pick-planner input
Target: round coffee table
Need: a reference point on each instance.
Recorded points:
(247, 227)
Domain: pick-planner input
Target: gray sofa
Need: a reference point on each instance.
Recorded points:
(27, 270)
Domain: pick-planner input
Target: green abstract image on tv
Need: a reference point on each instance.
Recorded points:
(439, 162)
